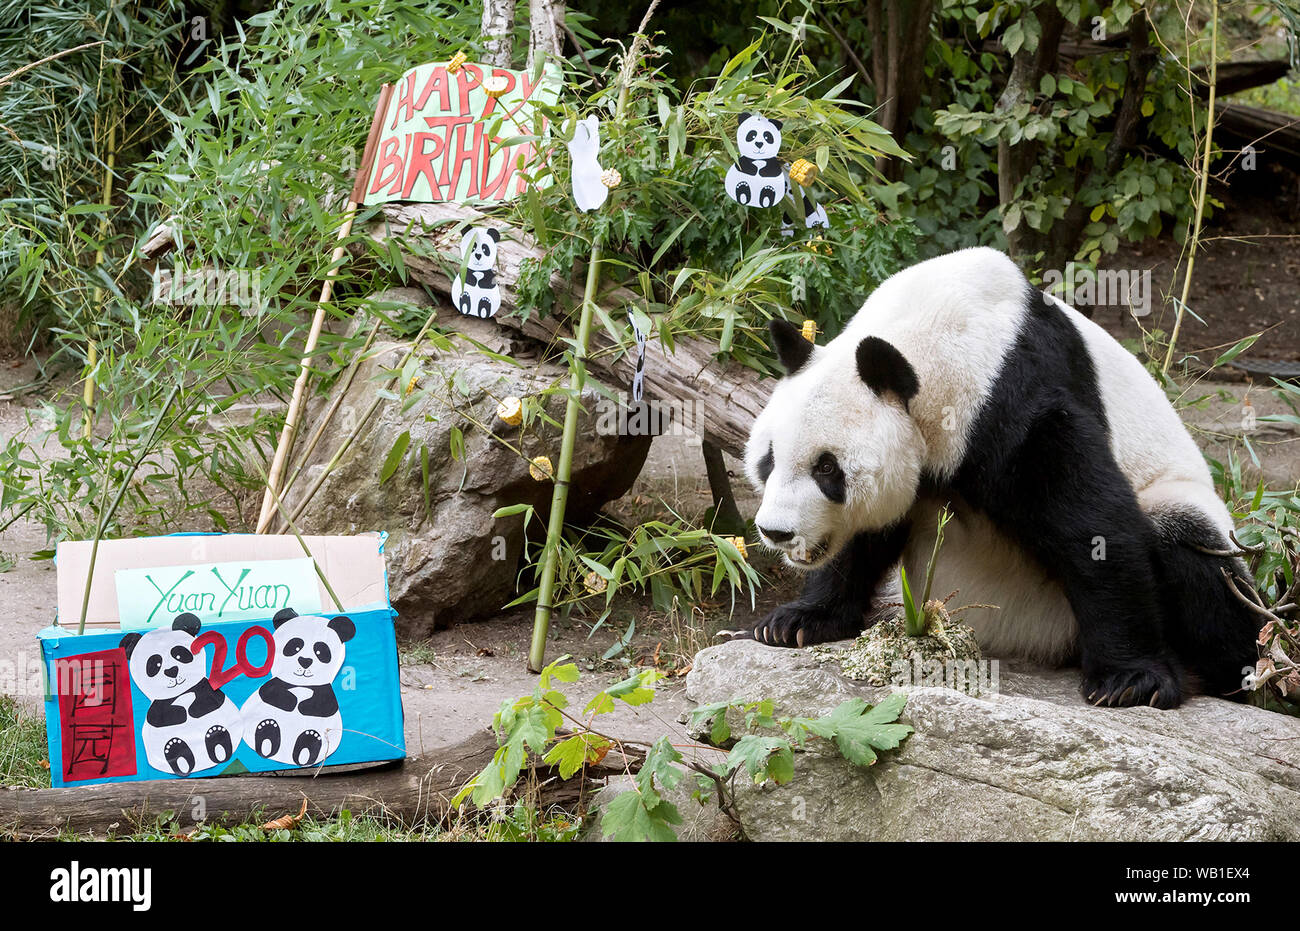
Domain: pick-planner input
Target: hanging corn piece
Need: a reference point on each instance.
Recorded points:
(809, 330)
(456, 62)
(540, 469)
(611, 178)
(411, 385)
(739, 543)
(819, 244)
(496, 85)
(803, 172)
(511, 411)
(595, 584)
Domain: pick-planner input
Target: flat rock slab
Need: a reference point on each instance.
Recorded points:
(1032, 761)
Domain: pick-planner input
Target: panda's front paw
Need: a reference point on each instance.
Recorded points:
(1154, 683)
(801, 624)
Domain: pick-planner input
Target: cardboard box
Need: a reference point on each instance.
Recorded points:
(197, 661)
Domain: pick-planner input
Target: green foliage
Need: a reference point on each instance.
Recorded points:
(23, 762)
(530, 725)
(698, 262)
(669, 560)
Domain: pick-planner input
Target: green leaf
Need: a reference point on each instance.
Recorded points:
(394, 457)
(628, 819)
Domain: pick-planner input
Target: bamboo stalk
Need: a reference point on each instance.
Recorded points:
(304, 372)
(560, 496)
(285, 445)
(107, 516)
(1205, 183)
(92, 350)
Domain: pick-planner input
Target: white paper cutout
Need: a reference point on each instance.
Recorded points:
(479, 296)
(588, 191)
(758, 177)
(638, 377)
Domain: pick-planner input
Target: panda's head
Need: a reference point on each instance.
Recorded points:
(835, 451)
(479, 247)
(308, 649)
(757, 136)
(162, 661)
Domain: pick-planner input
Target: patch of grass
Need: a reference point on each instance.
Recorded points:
(23, 754)
(417, 653)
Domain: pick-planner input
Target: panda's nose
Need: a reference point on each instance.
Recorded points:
(170, 671)
(304, 662)
(777, 536)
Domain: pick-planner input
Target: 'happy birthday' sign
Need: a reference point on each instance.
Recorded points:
(435, 142)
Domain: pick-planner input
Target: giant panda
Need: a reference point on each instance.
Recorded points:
(190, 726)
(1082, 507)
(294, 716)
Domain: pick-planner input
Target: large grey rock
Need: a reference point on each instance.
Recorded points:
(453, 561)
(1031, 762)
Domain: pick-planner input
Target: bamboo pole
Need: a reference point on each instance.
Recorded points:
(1205, 182)
(285, 445)
(578, 377)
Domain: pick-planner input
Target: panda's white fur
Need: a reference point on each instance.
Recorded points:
(294, 718)
(955, 319)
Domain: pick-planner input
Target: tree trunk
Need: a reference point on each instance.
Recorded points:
(899, 30)
(418, 790)
(1015, 161)
(545, 29)
(498, 32)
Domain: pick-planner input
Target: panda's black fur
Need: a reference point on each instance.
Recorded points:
(1155, 616)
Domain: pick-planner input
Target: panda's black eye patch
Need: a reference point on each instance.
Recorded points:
(767, 137)
(155, 663)
(828, 475)
(294, 646)
(750, 136)
(322, 652)
(766, 465)
(182, 655)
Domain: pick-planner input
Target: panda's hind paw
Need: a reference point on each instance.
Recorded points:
(1155, 684)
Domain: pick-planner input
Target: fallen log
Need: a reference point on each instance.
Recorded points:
(721, 399)
(415, 791)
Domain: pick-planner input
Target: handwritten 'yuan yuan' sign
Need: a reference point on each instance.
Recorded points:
(231, 591)
(444, 138)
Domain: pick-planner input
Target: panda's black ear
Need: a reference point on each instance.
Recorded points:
(776, 123)
(790, 346)
(494, 233)
(744, 116)
(343, 627)
(284, 614)
(883, 368)
(129, 641)
(188, 623)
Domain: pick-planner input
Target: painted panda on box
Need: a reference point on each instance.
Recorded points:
(190, 726)
(478, 295)
(757, 179)
(294, 716)
(1082, 507)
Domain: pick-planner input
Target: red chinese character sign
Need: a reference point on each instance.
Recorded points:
(464, 136)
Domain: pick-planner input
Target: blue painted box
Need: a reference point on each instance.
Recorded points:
(192, 696)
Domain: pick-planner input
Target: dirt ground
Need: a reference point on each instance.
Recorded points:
(1246, 278)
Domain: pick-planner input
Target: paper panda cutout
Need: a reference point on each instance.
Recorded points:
(294, 716)
(479, 295)
(190, 726)
(757, 179)
(589, 192)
